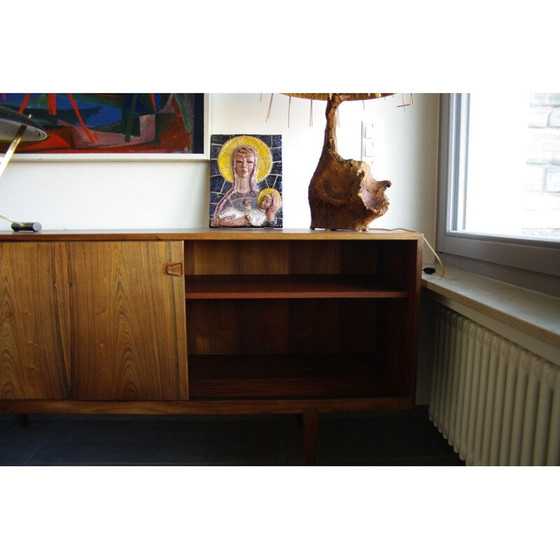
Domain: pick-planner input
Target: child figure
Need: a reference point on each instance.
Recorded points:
(269, 203)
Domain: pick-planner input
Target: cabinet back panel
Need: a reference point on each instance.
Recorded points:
(309, 258)
(282, 257)
(280, 326)
(400, 267)
(233, 257)
(396, 341)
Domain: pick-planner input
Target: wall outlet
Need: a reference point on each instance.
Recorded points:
(372, 144)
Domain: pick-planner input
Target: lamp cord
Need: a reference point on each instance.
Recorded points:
(440, 274)
(10, 220)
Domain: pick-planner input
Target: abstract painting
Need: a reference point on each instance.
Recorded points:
(246, 180)
(107, 123)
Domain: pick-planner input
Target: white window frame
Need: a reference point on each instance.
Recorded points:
(527, 262)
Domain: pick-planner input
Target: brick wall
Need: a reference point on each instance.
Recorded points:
(543, 167)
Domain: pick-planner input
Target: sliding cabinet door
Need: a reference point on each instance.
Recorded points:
(34, 329)
(128, 321)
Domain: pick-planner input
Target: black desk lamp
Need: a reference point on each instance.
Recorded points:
(15, 128)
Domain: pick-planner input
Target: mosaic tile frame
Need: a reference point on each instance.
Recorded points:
(267, 149)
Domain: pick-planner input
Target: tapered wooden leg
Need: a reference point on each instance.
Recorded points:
(310, 431)
(21, 420)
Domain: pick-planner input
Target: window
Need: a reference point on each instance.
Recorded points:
(500, 186)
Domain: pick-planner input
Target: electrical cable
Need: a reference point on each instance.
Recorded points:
(427, 270)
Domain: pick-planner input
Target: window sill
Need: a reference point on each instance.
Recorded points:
(529, 318)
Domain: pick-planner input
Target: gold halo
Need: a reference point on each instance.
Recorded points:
(264, 192)
(263, 151)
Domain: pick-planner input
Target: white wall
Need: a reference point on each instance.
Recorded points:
(171, 194)
(166, 194)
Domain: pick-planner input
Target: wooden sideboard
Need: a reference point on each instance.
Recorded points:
(209, 322)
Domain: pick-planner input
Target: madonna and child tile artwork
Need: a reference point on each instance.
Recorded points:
(246, 180)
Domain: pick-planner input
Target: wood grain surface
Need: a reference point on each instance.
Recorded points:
(92, 320)
(129, 332)
(34, 335)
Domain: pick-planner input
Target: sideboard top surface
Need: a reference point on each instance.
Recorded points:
(210, 234)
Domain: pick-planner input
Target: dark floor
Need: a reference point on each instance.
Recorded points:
(357, 439)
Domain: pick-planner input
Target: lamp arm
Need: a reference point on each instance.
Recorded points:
(16, 225)
(12, 148)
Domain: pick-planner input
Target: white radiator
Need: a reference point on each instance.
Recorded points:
(495, 402)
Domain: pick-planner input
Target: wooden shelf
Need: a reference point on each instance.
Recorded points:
(289, 376)
(288, 287)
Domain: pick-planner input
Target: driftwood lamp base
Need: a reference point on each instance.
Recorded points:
(342, 192)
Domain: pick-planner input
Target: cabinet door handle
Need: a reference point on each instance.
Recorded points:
(174, 269)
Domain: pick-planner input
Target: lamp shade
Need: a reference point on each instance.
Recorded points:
(344, 96)
(11, 121)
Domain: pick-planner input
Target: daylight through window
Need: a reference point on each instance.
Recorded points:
(512, 176)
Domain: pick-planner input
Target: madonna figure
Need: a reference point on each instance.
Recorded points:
(244, 191)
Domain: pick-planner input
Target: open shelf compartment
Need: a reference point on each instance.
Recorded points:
(300, 319)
